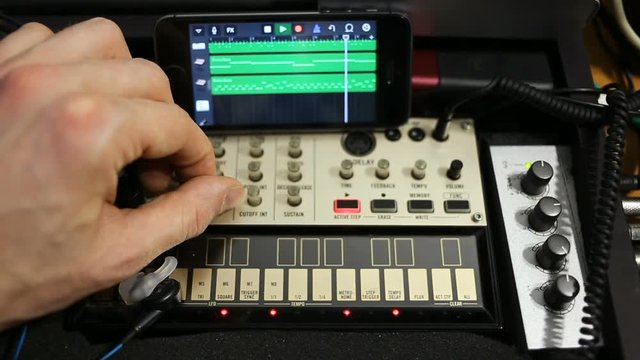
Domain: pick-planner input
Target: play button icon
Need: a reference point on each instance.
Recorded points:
(283, 29)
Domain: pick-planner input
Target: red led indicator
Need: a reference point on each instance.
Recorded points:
(273, 312)
(395, 312)
(298, 28)
(346, 312)
(224, 312)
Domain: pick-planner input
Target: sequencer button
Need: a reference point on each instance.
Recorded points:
(457, 206)
(346, 206)
(383, 206)
(420, 206)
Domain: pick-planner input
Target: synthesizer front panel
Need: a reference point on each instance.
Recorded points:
(361, 229)
(398, 177)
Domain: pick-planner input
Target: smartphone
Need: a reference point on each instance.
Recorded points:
(288, 71)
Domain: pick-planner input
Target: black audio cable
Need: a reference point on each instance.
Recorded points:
(605, 210)
(163, 298)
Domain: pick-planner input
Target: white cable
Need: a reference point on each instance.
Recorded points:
(623, 23)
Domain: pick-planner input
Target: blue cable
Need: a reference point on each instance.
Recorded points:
(111, 353)
(20, 344)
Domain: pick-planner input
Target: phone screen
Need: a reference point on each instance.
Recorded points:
(284, 73)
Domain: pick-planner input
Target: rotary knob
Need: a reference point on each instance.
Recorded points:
(218, 148)
(562, 290)
(455, 170)
(293, 195)
(253, 195)
(346, 169)
(254, 171)
(294, 173)
(545, 214)
(255, 146)
(418, 172)
(537, 178)
(294, 147)
(552, 252)
(382, 171)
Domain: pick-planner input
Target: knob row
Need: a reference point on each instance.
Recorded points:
(255, 199)
(418, 171)
(255, 147)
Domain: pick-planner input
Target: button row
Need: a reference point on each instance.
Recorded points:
(322, 285)
(309, 253)
(352, 206)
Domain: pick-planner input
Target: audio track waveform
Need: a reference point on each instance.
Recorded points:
(290, 46)
(292, 84)
(291, 63)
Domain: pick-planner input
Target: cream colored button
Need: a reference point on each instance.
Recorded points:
(226, 284)
(466, 285)
(298, 285)
(393, 285)
(346, 284)
(249, 284)
(369, 284)
(201, 285)
(321, 284)
(181, 275)
(441, 279)
(273, 284)
(418, 284)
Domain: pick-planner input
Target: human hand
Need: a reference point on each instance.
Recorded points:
(74, 110)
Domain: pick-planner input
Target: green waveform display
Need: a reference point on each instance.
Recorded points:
(291, 63)
(291, 84)
(292, 46)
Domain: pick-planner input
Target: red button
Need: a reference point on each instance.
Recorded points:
(346, 206)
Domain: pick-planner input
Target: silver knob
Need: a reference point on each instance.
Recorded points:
(294, 174)
(254, 171)
(418, 172)
(293, 198)
(294, 147)
(255, 146)
(382, 171)
(346, 169)
(218, 149)
(253, 195)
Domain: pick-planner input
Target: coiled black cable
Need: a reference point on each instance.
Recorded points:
(600, 243)
(563, 108)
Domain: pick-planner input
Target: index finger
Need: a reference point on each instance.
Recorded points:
(98, 38)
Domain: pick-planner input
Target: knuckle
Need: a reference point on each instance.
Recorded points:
(77, 116)
(107, 28)
(37, 27)
(156, 75)
(21, 83)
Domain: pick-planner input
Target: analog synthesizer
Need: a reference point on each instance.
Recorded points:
(377, 229)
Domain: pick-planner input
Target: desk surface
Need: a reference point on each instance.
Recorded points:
(47, 339)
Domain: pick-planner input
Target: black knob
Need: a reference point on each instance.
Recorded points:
(561, 292)
(455, 170)
(537, 178)
(545, 214)
(551, 254)
(359, 143)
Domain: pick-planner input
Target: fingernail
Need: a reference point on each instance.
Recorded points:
(232, 198)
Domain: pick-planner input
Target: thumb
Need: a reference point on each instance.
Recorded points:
(181, 214)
